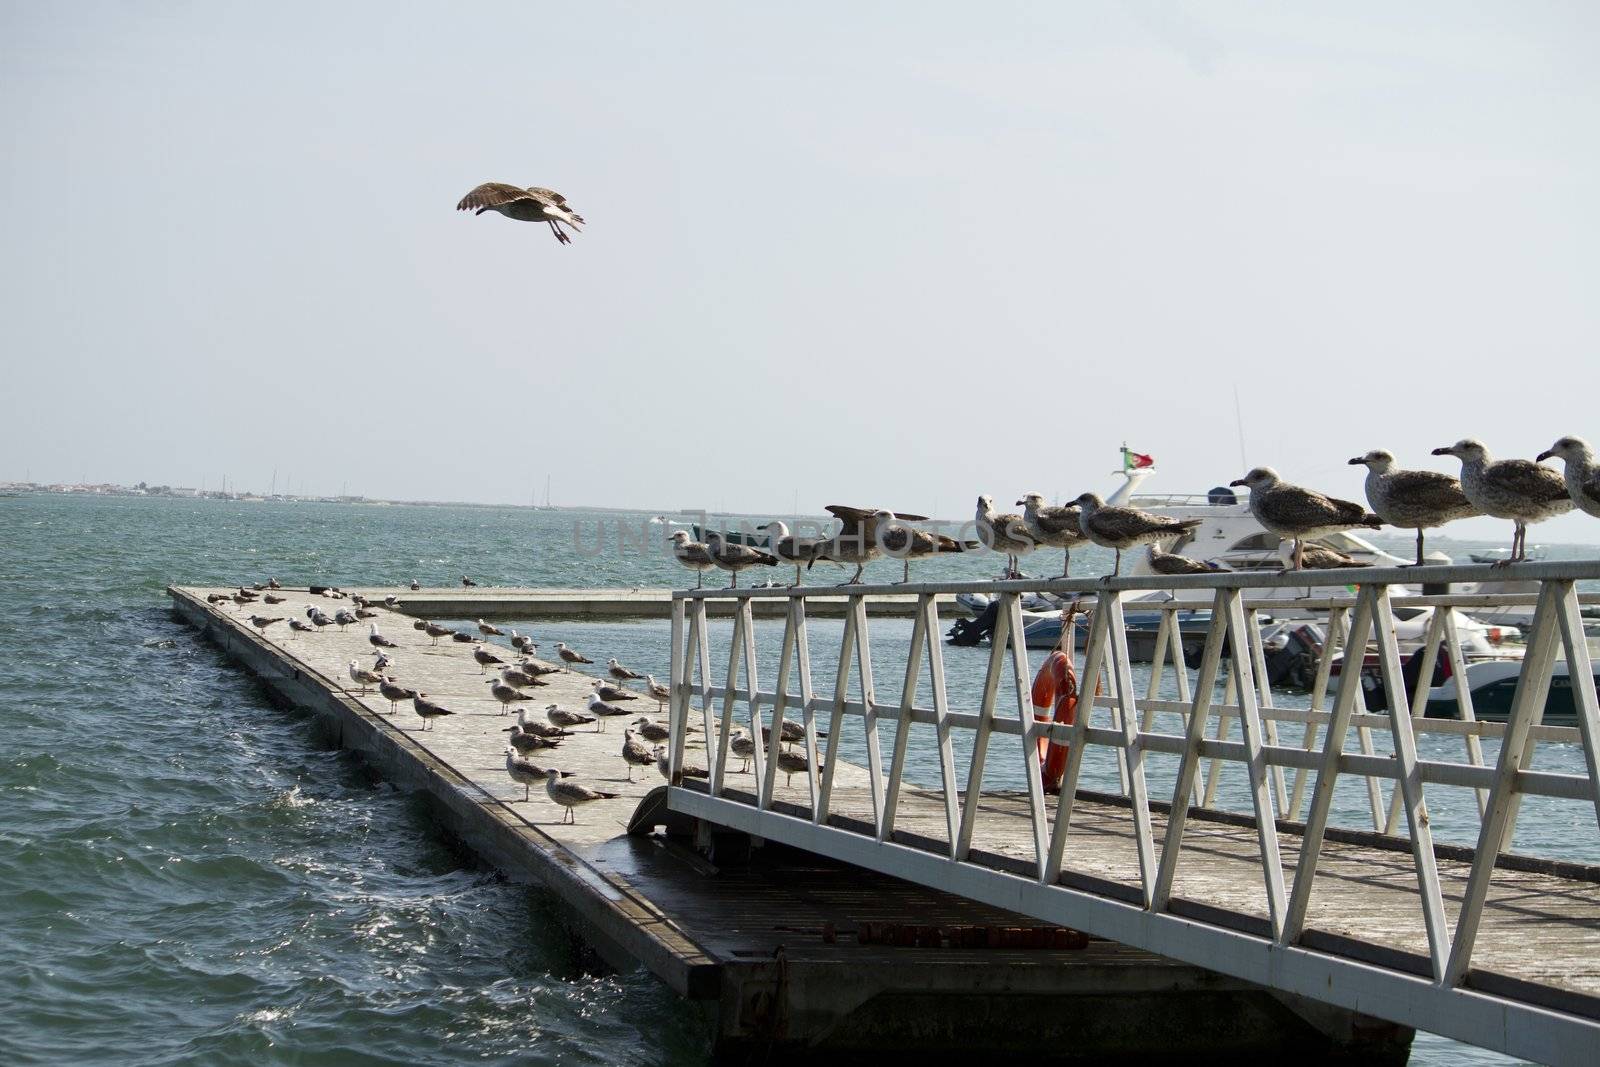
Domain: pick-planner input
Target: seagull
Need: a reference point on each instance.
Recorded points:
(635, 753)
(428, 710)
(1006, 533)
(435, 631)
(569, 655)
(363, 677)
(381, 662)
(240, 600)
(532, 204)
(563, 717)
(525, 772)
(1121, 528)
(363, 613)
(694, 555)
(391, 602)
(1293, 511)
(521, 643)
(301, 627)
(394, 692)
(570, 794)
(415, 585)
(344, 618)
(505, 694)
(518, 677)
(651, 730)
(484, 658)
(1315, 557)
(378, 640)
(535, 728)
(791, 732)
(527, 666)
(217, 598)
(1515, 489)
(601, 710)
(741, 745)
(272, 583)
(420, 624)
(1412, 500)
(621, 673)
(489, 631)
(261, 622)
(658, 692)
(358, 600)
(791, 764)
(857, 540)
(665, 767)
(1057, 527)
(792, 549)
(270, 599)
(319, 619)
(735, 558)
(467, 583)
(463, 637)
(1163, 562)
(1583, 475)
(909, 543)
(610, 692)
(528, 741)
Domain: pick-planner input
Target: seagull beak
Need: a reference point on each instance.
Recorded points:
(1019, 503)
(1542, 456)
(1441, 452)
(1236, 481)
(508, 729)
(1358, 461)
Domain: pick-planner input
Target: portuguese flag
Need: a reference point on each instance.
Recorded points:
(1132, 460)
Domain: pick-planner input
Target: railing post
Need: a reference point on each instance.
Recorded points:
(1092, 658)
(1260, 785)
(941, 714)
(1031, 773)
(908, 698)
(980, 737)
(841, 693)
(725, 725)
(802, 652)
(1132, 752)
(1580, 676)
(1458, 672)
(869, 708)
(780, 705)
(678, 706)
(1516, 751)
(1319, 697)
(1409, 785)
(1269, 725)
(1419, 697)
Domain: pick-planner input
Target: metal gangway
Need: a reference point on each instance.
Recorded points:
(1495, 948)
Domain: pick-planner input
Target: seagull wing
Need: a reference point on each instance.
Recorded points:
(1529, 479)
(1059, 521)
(550, 196)
(1313, 507)
(491, 195)
(1431, 489)
(1591, 487)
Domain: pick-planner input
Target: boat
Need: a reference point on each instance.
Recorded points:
(734, 537)
(1503, 555)
(1493, 684)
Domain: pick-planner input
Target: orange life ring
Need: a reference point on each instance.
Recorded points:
(1055, 699)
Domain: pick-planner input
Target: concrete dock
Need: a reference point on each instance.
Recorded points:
(785, 953)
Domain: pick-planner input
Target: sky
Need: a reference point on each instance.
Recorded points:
(886, 254)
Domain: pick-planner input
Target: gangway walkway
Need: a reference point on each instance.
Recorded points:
(1500, 950)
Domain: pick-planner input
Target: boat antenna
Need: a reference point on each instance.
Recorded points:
(1238, 421)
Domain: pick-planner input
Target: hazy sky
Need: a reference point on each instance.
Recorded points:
(885, 254)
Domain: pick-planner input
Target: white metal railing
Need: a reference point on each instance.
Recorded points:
(1286, 777)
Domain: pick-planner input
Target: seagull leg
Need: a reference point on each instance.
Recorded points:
(1299, 553)
(733, 580)
(1419, 546)
(1066, 561)
(905, 570)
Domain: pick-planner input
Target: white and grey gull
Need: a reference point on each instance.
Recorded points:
(1582, 476)
(1056, 526)
(1516, 489)
(1296, 513)
(1412, 500)
(1121, 528)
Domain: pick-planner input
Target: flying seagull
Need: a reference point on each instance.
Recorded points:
(1515, 489)
(532, 204)
(1412, 500)
(1295, 512)
(1122, 528)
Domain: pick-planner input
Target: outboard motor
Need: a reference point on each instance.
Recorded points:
(971, 631)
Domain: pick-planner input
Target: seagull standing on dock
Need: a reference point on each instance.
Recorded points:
(606, 691)
(533, 204)
(1301, 514)
(664, 765)
(570, 655)
(621, 673)
(485, 658)
(1412, 500)
(1515, 489)
(525, 772)
(301, 627)
(377, 640)
(635, 753)
(742, 745)
(489, 631)
(394, 692)
(735, 558)
(520, 642)
(517, 676)
(535, 728)
(570, 794)
(692, 554)
(507, 695)
(344, 618)
(603, 711)
(364, 678)
(261, 622)
(650, 730)
(1583, 475)
(428, 710)
(658, 692)
(435, 631)
(1006, 533)
(1121, 528)
(1057, 527)
(566, 719)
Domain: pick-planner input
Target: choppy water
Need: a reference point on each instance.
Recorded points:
(187, 876)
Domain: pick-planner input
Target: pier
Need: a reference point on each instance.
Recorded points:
(1486, 946)
(786, 953)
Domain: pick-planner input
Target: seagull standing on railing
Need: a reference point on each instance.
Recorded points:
(792, 549)
(735, 558)
(1412, 500)
(1515, 489)
(1121, 528)
(1006, 533)
(1583, 475)
(1057, 527)
(1295, 512)
(694, 555)
(909, 543)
